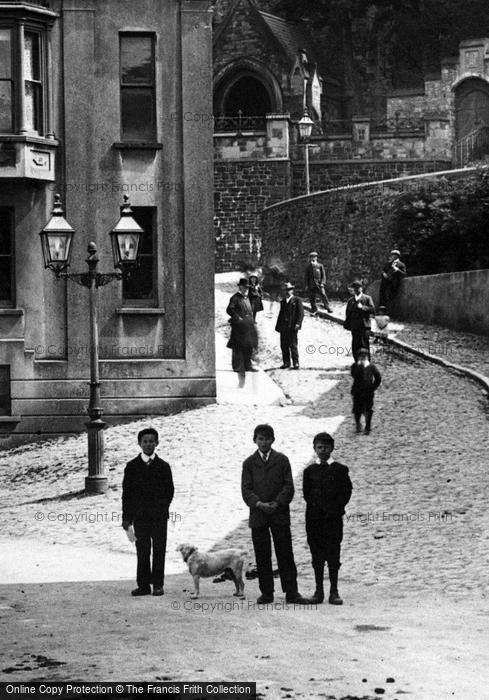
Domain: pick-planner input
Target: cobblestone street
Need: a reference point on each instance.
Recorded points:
(416, 530)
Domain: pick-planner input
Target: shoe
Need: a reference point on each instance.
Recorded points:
(334, 597)
(141, 591)
(297, 599)
(366, 431)
(358, 426)
(318, 597)
(265, 598)
(158, 591)
(295, 367)
(284, 366)
(329, 309)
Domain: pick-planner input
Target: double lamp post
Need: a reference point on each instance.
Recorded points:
(56, 240)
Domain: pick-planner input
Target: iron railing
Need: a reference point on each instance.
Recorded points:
(473, 147)
(240, 123)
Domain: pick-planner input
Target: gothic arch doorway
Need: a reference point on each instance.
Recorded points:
(248, 89)
(471, 106)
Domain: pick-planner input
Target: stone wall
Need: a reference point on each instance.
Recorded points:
(242, 189)
(349, 227)
(457, 300)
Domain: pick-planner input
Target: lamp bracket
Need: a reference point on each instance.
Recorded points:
(85, 279)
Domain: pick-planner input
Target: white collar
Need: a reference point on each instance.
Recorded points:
(265, 455)
(146, 458)
(329, 462)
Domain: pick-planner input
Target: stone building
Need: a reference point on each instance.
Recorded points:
(267, 69)
(94, 104)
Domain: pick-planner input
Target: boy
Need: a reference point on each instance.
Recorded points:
(267, 488)
(327, 489)
(366, 379)
(147, 491)
(289, 323)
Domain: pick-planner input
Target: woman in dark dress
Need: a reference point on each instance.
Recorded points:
(255, 294)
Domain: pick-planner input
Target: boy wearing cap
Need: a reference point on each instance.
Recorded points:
(315, 281)
(327, 489)
(366, 380)
(392, 274)
(243, 338)
(289, 322)
(359, 308)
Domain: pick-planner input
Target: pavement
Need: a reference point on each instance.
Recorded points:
(415, 562)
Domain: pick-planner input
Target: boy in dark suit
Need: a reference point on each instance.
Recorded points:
(289, 322)
(366, 380)
(327, 489)
(147, 491)
(359, 309)
(267, 488)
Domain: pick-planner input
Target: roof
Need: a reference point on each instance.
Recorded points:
(292, 36)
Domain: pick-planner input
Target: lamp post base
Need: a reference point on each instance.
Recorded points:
(96, 484)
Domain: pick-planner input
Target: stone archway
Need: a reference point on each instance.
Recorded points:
(471, 106)
(247, 87)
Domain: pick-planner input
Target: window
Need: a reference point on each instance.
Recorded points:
(138, 103)
(22, 68)
(5, 405)
(6, 86)
(139, 289)
(6, 257)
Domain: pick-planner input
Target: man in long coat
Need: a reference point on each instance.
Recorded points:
(315, 282)
(243, 330)
(392, 274)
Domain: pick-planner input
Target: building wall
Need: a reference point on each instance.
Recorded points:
(152, 360)
(349, 227)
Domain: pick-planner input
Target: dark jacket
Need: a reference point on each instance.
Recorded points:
(311, 281)
(327, 489)
(256, 296)
(365, 379)
(394, 277)
(147, 491)
(243, 330)
(291, 314)
(267, 482)
(357, 319)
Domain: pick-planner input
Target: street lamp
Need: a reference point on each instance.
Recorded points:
(56, 241)
(305, 131)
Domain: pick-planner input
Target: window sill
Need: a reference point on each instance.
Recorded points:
(28, 138)
(138, 145)
(7, 311)
(10, 419)
(138, 311)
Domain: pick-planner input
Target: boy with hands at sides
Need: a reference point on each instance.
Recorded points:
(147, 491)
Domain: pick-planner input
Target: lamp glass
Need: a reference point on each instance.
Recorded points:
(305, 126)
(126, 238)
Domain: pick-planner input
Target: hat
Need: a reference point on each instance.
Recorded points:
(243, 282)
(323, 437)
(289, 285)
(395, 252)
(382, 308)
(313, 254)
(356, 283)
(362, 351)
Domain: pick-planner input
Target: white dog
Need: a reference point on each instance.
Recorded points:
(212, 564)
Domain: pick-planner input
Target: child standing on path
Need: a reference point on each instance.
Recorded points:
(147, 491)
(366, 379)
(267, 488)
(327, 489)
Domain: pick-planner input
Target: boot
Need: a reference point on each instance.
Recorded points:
(368, 422)
(334, 596)
(318, 596)
(358, 425)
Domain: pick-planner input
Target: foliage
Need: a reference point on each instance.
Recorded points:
(444, 228)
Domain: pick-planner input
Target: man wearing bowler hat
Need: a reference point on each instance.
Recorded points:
(359, 309)
(289, 322)
(243, 330)
(315, 281)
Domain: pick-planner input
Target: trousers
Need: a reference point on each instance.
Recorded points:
(282, 542)
(150, 534)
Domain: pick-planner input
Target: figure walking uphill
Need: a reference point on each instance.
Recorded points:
(366, 380)
(327, 489)
(267, 488)
(147, 491)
